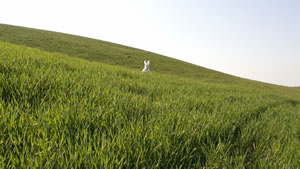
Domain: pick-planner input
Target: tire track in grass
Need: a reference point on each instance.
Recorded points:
(276, 136)
(244, 143)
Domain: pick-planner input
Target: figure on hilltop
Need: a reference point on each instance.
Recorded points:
(147, 66)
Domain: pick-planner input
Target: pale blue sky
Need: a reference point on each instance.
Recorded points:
(254, 39)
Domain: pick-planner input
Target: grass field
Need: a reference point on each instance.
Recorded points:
(114, 54)
(61, 112)
(74, 102)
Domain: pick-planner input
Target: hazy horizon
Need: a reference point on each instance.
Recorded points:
(250, 39)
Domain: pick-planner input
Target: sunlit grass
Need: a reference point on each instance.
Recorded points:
(61, 112)
(114, 54)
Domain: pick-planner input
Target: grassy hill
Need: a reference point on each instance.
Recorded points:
(57, 111)
(105, 52)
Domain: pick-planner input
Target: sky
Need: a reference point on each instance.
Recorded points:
(253, 39)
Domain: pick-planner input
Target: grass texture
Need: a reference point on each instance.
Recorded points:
(62, 112)
(114, 54)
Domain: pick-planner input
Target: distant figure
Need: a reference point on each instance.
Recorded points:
(147, 66)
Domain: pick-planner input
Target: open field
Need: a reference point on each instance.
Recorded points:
(62, 112)
(114, 54)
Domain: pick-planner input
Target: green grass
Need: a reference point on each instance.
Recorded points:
(61, 112)
(105, 52)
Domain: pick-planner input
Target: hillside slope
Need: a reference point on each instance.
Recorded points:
(97, 50)
(62, 112)
(105, 52)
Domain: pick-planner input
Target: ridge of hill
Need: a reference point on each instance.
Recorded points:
(101, 51)
(115, 54)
